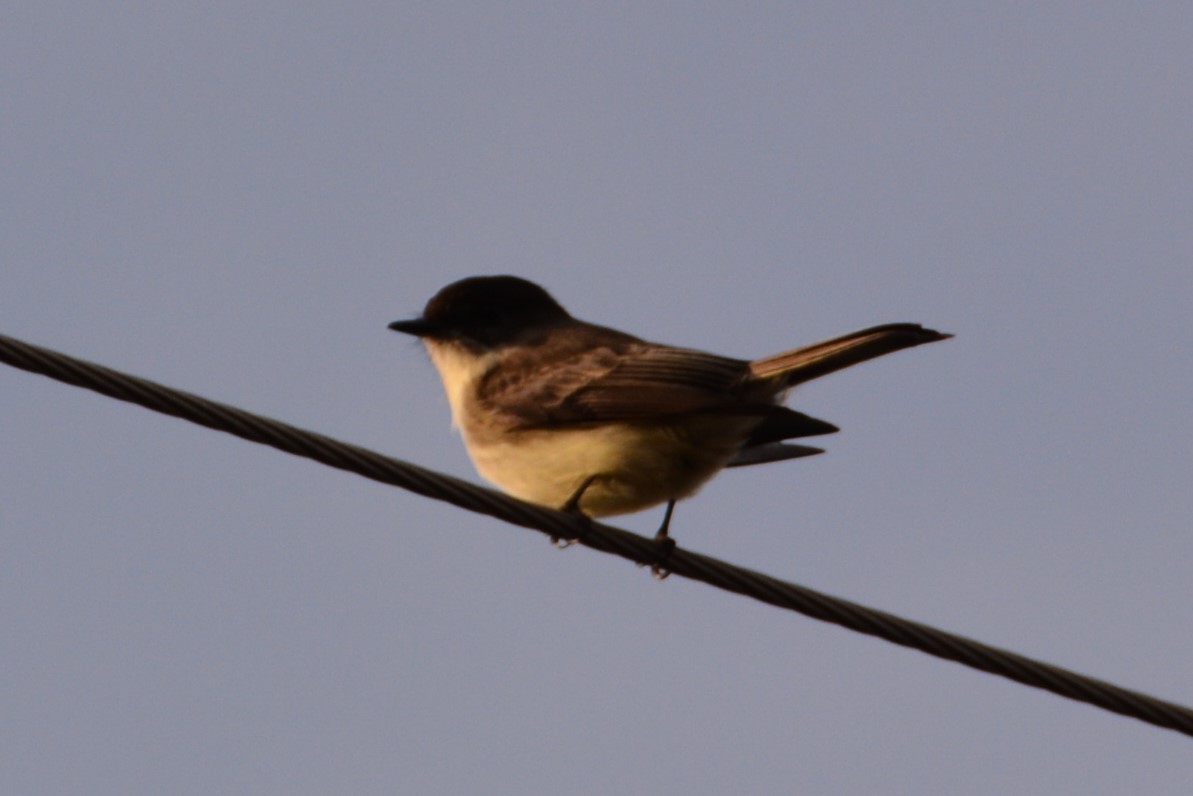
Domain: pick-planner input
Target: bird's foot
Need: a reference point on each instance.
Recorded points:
(665, 545)
(572, 506)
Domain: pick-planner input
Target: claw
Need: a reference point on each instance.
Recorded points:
(666, 545)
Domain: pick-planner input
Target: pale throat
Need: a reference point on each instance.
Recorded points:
(459, 371)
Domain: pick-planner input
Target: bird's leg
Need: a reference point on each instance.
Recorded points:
(666, 543)
(572, 506)
(661, 533)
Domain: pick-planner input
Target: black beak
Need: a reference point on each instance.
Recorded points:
(415, 326)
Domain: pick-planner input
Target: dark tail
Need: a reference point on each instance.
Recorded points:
(819, 359)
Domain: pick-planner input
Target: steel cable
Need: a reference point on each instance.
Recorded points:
(596, 535)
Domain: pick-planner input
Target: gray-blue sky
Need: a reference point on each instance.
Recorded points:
(235, 199)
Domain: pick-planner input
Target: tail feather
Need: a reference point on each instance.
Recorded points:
(819, 359)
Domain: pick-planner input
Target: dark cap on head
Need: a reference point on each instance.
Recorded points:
(485, 309)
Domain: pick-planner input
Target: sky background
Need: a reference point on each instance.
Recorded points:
(235, 199)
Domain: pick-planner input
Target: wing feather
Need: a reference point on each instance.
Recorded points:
(622, 378)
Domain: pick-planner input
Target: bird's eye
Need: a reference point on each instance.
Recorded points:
(486, 315)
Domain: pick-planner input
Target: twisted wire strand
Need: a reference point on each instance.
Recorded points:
(598, 536)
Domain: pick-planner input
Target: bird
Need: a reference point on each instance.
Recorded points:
(572, 415)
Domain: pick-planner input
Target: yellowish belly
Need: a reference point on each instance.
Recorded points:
(635, 466)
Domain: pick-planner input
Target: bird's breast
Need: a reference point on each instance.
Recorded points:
(632, 465)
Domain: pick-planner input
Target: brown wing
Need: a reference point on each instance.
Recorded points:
(569, 381)
(652, 381)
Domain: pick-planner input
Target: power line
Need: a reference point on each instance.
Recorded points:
(596, 535)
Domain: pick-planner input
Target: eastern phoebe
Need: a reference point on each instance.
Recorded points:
(567, 414)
